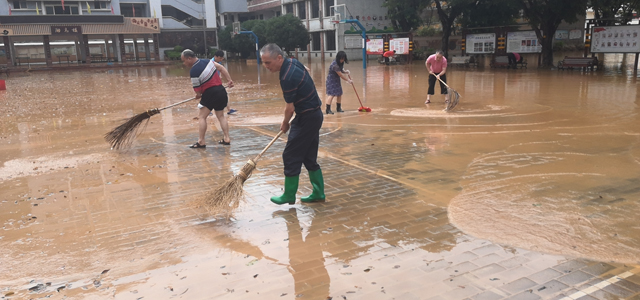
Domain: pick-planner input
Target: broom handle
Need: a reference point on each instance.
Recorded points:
(354, 89)
(267, 147)
(172, 105)
(442, 82)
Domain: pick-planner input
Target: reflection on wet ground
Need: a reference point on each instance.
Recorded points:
(527, 190)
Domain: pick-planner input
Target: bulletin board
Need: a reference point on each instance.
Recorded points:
(615, 39)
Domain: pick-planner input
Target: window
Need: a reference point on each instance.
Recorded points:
(302, 10)
(288, 8)
(100, 5)
(57, 10)
(315, 41)
(327, 7)
(330, 40)
(315, 9)
(132, 10)
(261, 17)
(19, 4)
(278, 13)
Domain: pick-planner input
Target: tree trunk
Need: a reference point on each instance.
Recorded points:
(547, 51)
(446, 32)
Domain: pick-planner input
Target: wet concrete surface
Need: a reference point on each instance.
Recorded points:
(527, 190)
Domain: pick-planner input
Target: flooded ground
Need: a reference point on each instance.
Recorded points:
(535, 172)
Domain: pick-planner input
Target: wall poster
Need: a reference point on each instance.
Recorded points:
(523, 42)
(615, 39)
(481, 43)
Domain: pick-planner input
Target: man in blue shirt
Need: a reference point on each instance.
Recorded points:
(300, 96)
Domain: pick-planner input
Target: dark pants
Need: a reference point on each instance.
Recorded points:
(432, 83)
(386, 60)
(302, 145)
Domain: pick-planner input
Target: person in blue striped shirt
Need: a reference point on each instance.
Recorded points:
(301, 97)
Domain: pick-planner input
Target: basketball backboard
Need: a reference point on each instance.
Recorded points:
(338, 13)
(236, 28)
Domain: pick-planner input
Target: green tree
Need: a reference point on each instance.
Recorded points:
(287, 32)
(448, 12)
(225, 41)
(405, 14)
(613, 12)
(546, 15)
(489, 13)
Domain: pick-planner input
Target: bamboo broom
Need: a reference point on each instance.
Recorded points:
(226, 198)
(122, 136)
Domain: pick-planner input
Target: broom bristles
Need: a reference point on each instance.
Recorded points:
(226, 198)
(123, 135)
(455, 97)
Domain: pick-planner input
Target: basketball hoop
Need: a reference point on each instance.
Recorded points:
(236, 28)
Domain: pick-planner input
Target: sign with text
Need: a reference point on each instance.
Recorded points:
(375, 46)
(561, 35)
(615, 39)
(481, 43)
(66, 30)
(151, 23)
(523, 42)
(353, 42)
(401, 45)
(575, 34)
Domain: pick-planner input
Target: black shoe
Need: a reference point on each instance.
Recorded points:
(339, 109)
(328, 111)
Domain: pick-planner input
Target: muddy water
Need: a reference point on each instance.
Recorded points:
(542, 160)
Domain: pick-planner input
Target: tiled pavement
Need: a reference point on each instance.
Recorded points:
(122, 226)
(375, 237)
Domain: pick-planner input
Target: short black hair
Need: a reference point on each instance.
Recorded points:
(219, 53)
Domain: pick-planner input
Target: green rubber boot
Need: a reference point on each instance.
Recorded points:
(318, 187)
(290, 189)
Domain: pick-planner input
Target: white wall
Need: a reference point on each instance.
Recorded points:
(157, 6)
(210, 13)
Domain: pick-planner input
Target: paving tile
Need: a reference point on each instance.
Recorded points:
(575, 278)
(629, 285)
(488, 249)
(618, 291)
(545, 276)
(512, 274)
(461, 268)
(513, 262)
(524, 296)
(587, 297)
(489, 271)
(601, 294)
(570, 266)
(487, 295)
(519, 285)
(487, 259)
(550, 288)
(598, 269)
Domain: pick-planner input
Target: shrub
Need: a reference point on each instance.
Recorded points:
(175, 53)
(426, 31)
